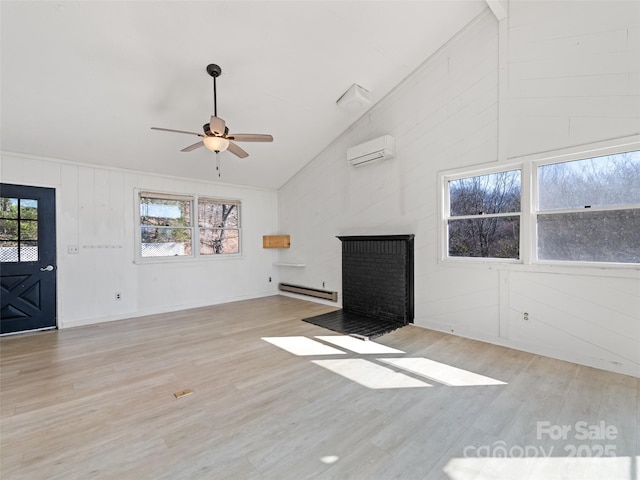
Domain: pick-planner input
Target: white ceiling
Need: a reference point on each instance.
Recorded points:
(84, 81)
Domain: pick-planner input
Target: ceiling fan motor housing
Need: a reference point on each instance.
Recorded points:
(217, 125)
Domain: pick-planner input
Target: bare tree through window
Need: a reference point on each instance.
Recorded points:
(484, 215)
(168, 227)
(589, 210)
(219, 227)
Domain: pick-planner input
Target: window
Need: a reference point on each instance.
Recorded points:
(484, 215)
(169, 227)
(589, 209)
(219, 227)
(165, 225)
(18, 230)
(573, 210)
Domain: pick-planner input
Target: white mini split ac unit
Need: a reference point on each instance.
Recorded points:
(380, 148)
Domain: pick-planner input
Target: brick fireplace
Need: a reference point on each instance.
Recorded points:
(377, 286)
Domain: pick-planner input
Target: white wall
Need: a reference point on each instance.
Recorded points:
(552, 75)
(95, 210)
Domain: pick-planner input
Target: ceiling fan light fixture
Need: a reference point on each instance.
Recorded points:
(216, 144)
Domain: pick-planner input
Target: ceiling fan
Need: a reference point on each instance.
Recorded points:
(216, 135)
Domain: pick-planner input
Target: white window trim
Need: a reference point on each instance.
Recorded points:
(195, 241)
(528, 204)
(444, 178)
(197, 227)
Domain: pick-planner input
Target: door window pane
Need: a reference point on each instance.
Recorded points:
(28, 209)
(9, 251)
(18, 230)
(28, 251)
(29, 230)
(8, 207)
(9, 230)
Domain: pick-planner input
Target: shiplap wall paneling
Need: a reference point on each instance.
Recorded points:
(96, 212)
(574, 73)
(594, 317)
(569, 65)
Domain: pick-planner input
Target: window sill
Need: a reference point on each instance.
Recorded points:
(616, 270)
(185, 259)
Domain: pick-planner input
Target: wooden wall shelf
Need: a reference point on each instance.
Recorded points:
(276, 241)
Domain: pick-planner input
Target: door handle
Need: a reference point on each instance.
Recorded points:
(48, 268)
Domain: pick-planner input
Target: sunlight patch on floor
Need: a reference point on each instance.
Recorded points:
(441, 372)
(329, 459)
(358, 346)
(369, 374)
(543, 468)
(302, 346)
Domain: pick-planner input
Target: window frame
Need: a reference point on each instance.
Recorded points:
(529, 210)
(445, 214)
(537, 212)
(198, 228)
(194, 227)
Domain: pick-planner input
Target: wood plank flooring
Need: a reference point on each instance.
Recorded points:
(98, 402)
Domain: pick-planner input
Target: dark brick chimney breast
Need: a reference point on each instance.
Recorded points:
(377, 286)
(377, 276)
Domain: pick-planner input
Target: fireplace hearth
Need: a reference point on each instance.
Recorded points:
(377, 286)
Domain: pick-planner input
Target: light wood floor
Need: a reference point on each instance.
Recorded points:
(97, 402)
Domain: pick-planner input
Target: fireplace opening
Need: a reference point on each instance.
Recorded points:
(377, 286)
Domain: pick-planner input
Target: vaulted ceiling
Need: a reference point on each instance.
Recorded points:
(84, 81)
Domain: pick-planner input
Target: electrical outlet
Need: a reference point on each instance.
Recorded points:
(525, 316)
(73, 249)
(269, 279)
(118, 296)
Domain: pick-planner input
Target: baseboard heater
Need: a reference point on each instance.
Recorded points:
(311, 292)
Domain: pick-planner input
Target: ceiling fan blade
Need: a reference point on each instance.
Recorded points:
(250, 137)
(176, 131)
(236, 150)
(193, 147)
(217, 125)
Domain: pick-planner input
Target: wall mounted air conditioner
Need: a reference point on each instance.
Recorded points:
(380, 148)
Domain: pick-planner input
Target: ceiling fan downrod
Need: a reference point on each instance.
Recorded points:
(215, 71)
